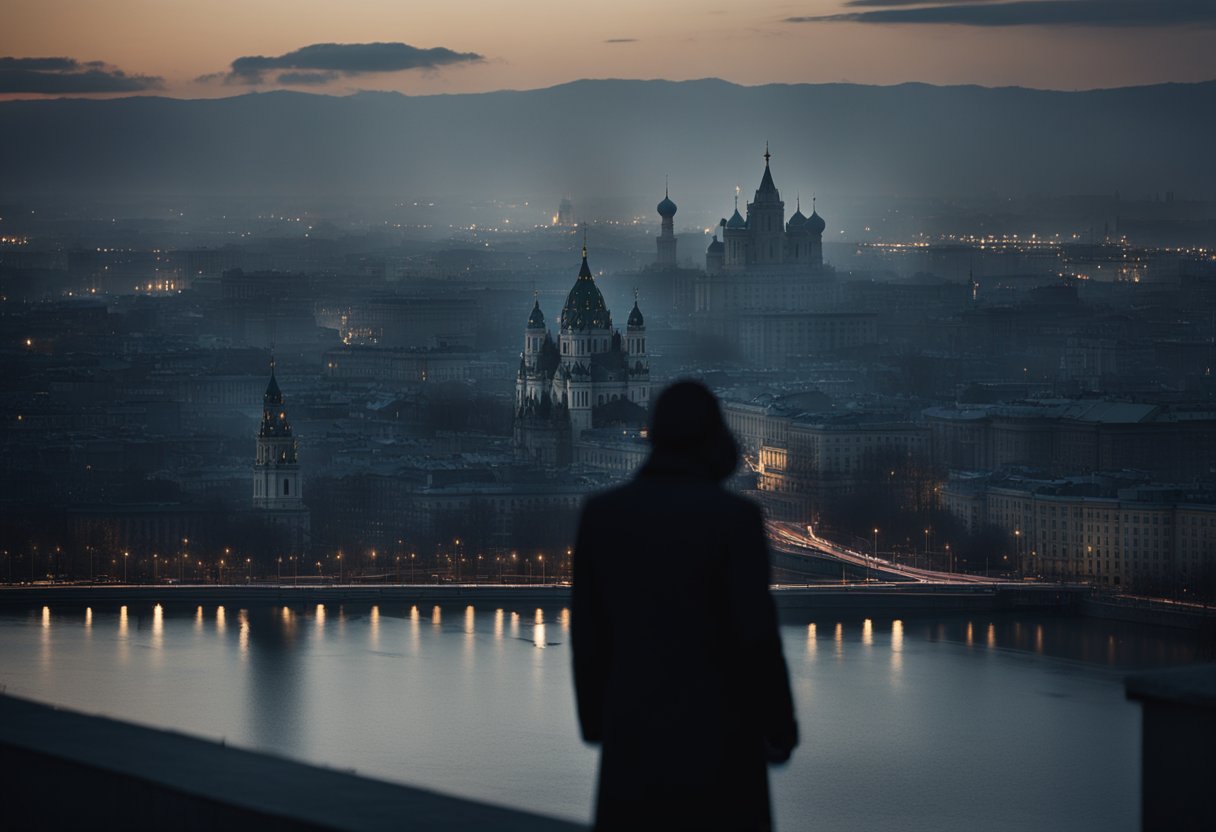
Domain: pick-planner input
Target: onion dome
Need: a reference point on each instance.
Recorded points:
(815, 223)
(585, 307)
(666, 208)
(635, 316)
(736, 220)
(537, 319)
(796, 222)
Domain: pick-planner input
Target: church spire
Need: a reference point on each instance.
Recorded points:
(585, 270)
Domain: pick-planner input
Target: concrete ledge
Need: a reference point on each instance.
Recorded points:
(67, 770)
(1178, 735)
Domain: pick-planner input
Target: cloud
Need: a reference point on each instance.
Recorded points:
(63, 76)
(1103, 13)
(621, 40)
(323, 62)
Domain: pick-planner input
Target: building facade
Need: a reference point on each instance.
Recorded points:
(592, 376)
(766, 292)
(277, 496)
(1143, 538)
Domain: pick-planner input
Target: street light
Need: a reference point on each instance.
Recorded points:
(541, 558)
(339, 567)
(249, 563)
(875, 553)
(125, 556)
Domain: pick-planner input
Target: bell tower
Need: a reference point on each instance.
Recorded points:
(276, 469)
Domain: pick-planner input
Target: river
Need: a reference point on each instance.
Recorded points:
(992, 721)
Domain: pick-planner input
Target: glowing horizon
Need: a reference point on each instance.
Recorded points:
(193, 49)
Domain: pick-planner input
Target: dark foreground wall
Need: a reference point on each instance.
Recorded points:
(1179, 735)
(65, 770)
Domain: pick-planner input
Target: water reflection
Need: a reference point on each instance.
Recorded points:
(221, 620)
(897, 648)
(243, 639)
(158, 627)
(276, 681)
(563, 620)
(505, 727)
(124, 643)
(88, 621)
(538, 629)
(436, 617)
(45, 640)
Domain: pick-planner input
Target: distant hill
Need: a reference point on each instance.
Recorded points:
(616, 138)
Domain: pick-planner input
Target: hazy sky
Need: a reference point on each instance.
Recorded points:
(205, 48)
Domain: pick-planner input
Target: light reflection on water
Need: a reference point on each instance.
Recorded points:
(910, 724)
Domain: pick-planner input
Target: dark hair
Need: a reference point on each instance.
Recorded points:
(688, 432)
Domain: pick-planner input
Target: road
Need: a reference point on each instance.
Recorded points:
(790, 537)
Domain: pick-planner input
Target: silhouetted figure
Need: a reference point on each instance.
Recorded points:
(678, 667)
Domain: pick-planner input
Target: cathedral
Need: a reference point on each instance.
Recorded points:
(592, 376)
(277, 497)
(764, 241)
(766, 296)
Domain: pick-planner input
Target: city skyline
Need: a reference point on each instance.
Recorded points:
(197, 50)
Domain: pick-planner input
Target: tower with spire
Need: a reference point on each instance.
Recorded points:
(667, 239)
(590, 377)
(276, 467)
(277, 493)
(763, 241)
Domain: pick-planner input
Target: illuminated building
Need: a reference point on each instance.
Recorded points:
(591, 377)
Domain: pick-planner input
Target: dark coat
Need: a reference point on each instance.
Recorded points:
(677, 658)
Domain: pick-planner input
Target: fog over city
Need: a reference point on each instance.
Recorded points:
(309, 318)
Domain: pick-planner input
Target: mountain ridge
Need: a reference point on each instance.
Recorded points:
(613, 137)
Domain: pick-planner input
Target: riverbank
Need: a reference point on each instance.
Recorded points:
(896, 598)
(884, 598)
